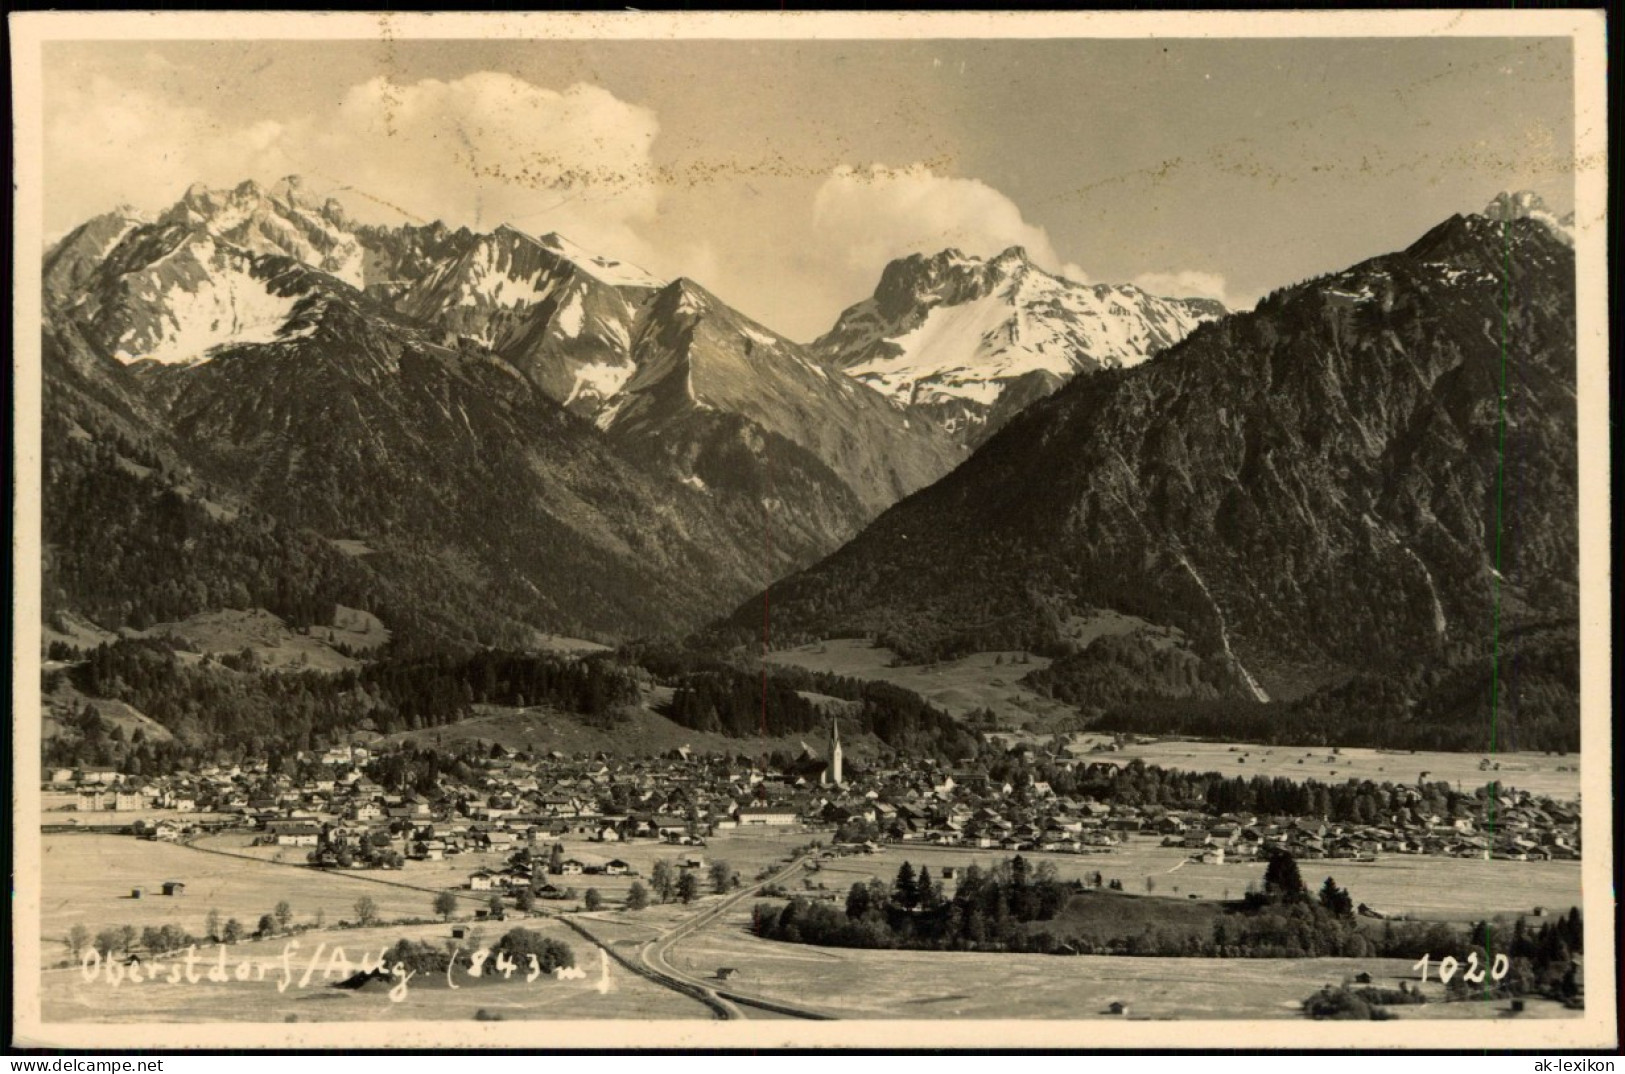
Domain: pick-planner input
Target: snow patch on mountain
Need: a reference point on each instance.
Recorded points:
(572, 317)
(488, 277)
(199, 297)
(1508, 206)
(604, 269)
(283, 220)
(600, 380)
(958, 329)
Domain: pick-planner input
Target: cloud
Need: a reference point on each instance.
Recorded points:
(108, 144)
(1188, 283)
(490, 148)
(480, 150)
(863, 218)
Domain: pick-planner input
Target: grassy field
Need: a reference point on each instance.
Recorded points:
(1443, 889)
(273, 643)
(87, 880)
(603, 993)
(748, 853)
(929, 984)
(1556, 777)
(978, 681)
(115, 714)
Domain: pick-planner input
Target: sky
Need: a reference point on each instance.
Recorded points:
(784, 175)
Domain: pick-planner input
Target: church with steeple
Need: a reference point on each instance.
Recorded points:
(832, 773)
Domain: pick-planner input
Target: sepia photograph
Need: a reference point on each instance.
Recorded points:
(810, 530)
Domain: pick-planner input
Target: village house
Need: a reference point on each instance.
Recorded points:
(770, 815)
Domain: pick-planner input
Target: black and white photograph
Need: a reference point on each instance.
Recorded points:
(958, 530)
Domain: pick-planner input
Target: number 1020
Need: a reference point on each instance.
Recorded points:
(1471, 973)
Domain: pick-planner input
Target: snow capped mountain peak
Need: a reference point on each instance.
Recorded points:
(605, 269)
(1526, 204)
(952, 333)
(284, 220)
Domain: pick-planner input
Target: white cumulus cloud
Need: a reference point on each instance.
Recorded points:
(1187, 283)
(863, 218)
(108, 143)
(480, 150)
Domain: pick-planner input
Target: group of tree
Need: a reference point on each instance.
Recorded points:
(738, 702)
(281, 711)
(1422, 708)
(138, 539)
(1353, 801)
(989, 910)
(1002, 910)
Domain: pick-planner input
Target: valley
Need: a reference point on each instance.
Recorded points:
(406, 573)
(975, 683)
(223, 874)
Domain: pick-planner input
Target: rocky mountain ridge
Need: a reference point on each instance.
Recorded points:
(971, 341)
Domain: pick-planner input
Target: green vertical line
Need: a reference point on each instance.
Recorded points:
(1500, 488)
(1500, 475)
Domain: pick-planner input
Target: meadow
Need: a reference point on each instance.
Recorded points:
(1550, 775)
(87, 880)
(747, 852)
(959, 687)
(604, 992)
(849, 983)
(1458, 890)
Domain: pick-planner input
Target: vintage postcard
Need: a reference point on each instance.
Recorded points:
(762, 530)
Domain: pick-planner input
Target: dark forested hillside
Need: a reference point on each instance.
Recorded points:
(505, 434)
(1373, 472)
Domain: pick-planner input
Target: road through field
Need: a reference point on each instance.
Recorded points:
(673, 981)
(654, 953)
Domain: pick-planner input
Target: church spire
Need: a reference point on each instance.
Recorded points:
(835, 750)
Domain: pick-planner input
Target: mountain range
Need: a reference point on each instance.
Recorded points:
(1358, 496)
(519, 432)
(1371, 476)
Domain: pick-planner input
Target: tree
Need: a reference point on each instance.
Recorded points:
(525, 900)
(925, 890)
(722, 877)
(78, 940)
(857, 900)
(906, 891)
(366, 911)
(593, 900)
(637, 896)
(211, 925)
(1335, 899)
(267, 925)
(555, 859)
(688, 887)
(284, 915)
(233, 931)
(494, 904)
(663, 878)
(107, 941)
(1282, 881)
(520, 945)
(445, 904)
(127, 936)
